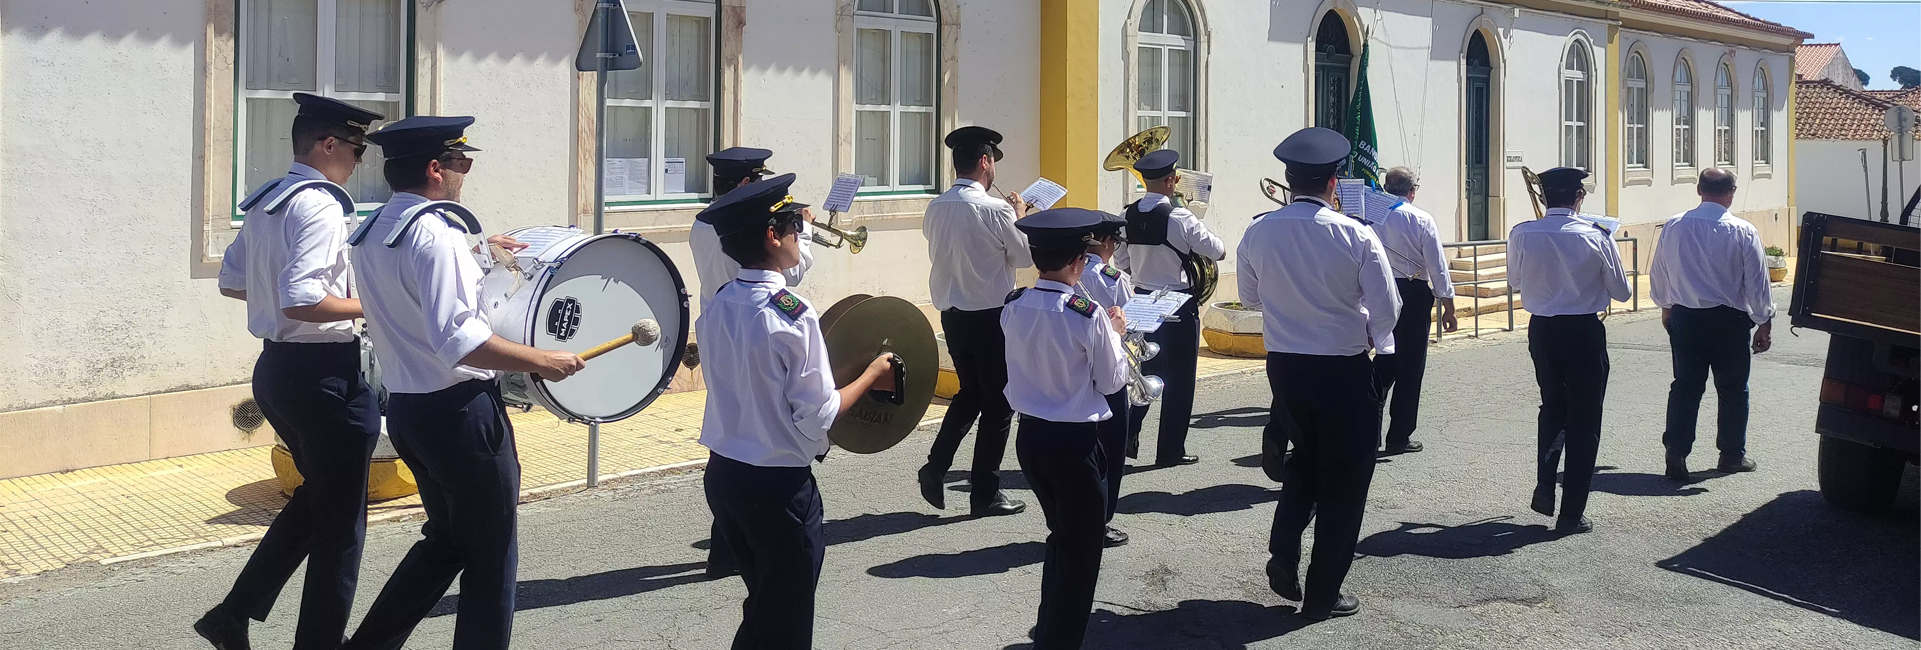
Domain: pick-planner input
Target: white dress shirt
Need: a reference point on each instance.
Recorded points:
(715, 268)
(1061, 365)
(1708, 257)
(292, 259)
(1414, 248)
(1106, 285)
(1564, 265)
(1320, 280)
(974, 247)
(770, 391)
(1154, 267)
(422, 299)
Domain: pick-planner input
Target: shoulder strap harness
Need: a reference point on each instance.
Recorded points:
(260, 193)
(448, 210)
(339, 194)
(1148, 228)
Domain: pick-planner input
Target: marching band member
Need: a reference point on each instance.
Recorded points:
(1566, 269)
(1420, 275)
(1159, 238)
(770, 402)
(734, 167)
(974, 248)
(421, 285)
(1108, 286)
(290, 264)
(1322, 283)
(1064, 358)
(1711, 280)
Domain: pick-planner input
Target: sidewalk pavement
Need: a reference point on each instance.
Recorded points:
(125, 512)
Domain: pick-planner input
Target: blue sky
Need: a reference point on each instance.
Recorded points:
(1877, 37)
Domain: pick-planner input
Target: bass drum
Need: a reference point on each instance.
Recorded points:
(572, 291)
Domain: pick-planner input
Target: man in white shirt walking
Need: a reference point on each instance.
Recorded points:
(1567, 269)
(1420, 275)
(974, 248)
(1710, 278)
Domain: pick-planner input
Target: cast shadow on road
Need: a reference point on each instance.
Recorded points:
(1192, 625)
(538, 594)
(1634, 484)
(1011, 479)
(861, 528)
(973, 562)
(1205, 501)
(1244, 416)
(1491, 537)
(1801, 551)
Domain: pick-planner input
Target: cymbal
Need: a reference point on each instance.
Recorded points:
(857, 329)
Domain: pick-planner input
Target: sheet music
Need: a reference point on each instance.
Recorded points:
(1196, 186)
(1610, 224)
(1352, 193)
(1379, 205)
(1043, 194)
(1145, 313)
(841, 197)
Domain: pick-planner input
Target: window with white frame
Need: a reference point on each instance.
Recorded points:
(1577, 100)
(1683, 114)
(351, 50)
(1723, 115)
(1164, 84)
(1637, 112)
(896, 56)
(660, 117)
(1763, 103)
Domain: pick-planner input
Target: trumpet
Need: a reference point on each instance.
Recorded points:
(854, 241)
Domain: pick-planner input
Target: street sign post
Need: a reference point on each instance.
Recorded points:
(608, 45)
(1900, 120)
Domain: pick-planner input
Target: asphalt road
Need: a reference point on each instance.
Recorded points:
(1452, 556)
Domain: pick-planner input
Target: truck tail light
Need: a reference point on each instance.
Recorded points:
(1861, 398)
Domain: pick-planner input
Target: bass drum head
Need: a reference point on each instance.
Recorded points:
(601, 288)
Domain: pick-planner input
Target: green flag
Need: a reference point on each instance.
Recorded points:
(1362, 163)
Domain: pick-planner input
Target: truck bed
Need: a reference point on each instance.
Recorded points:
(1858, 278)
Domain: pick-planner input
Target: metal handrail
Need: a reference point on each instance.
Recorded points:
(1634, 284)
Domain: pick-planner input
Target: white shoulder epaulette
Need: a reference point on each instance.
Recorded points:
(339, 194)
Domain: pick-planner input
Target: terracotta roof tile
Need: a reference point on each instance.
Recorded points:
(1811, 58)
(1824, 110)
(1909, 97)
(1710, 11)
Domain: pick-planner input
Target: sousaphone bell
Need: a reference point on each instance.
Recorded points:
(857, 329)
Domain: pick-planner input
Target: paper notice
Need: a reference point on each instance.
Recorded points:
(1043, 194)
(1196, 186)
(1145, 313)
(675, 176)
(841, 197)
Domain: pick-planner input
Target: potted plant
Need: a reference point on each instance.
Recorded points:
(1777, 263)
(1232, 330)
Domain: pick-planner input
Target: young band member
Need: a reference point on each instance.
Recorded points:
(1108, 286)
(770, 402)
(1711, 280)
(1063, 358)
(1567, 269)
(1420, 275)
(1160, 237)
(1326, 296)
(420, 283)
(974, 249)
(290, 264)
(733, 167)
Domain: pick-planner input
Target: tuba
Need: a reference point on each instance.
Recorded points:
(1203, 274)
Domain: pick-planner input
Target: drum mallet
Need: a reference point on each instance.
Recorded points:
(644, 333)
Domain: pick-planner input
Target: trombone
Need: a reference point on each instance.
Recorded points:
(854, 241)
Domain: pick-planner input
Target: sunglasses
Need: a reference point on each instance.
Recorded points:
(457, 165)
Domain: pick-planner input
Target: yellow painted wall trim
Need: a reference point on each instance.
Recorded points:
(1617, 160)
(1070, 98)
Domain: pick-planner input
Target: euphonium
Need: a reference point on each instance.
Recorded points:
(1142, 388)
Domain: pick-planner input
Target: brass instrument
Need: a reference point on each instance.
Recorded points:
(854, 241)
(1203, 273)
(1142, 388)
(1533, 190)
(1284, 195)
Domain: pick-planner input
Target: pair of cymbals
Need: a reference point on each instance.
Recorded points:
(859, 328)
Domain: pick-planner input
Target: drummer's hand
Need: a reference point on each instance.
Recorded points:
(1117, 319)
(555, 365)
(512, 245)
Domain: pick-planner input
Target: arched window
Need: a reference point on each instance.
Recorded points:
(1763, 105)
(1637, 112)
(1723, 115)
(1577, 101)
(896, 59)
(660, 117)
(1164, 84)
(1332, 76)
(1683, 113)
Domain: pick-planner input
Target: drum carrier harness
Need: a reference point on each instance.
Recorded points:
(1150, 228)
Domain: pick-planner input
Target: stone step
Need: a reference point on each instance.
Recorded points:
(1464, 305)
(1468, 275)
(1484, 290)
(1470, 251)
(1486, 261)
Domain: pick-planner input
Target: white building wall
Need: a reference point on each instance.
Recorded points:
(1832, 181)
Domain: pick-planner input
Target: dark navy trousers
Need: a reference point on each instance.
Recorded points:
(1571, 366)
(1703, 341)
(1114, 448)
(1063, 464)
(1176, 365)
(771, 519)
(460, 446)
(1329, 410)
(979, 350)
(1401, 372)
(315, 398)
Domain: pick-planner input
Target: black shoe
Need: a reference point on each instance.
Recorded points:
(1412, 446)
(223, 629)
(1678, 468)
(1566, 527)
(1186, 459)
(1114, 538)
(719, 572)
(1344, 606)
(1284, 580)
(1000, 506)
(1735, 465)
(931, 486)
(1543, 500)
